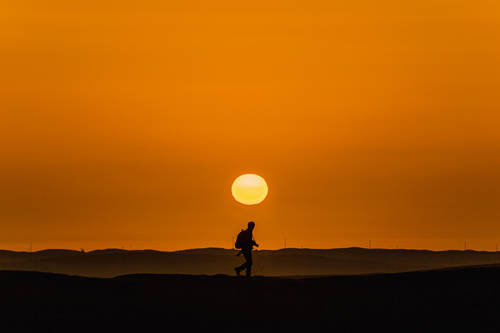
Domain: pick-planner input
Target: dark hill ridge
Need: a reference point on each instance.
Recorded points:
(285, 262)
(432, 301)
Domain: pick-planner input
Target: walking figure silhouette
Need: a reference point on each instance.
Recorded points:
(245, 242)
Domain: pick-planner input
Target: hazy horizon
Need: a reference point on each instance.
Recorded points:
(375, 245)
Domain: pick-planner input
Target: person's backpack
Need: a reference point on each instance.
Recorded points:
(240, 240)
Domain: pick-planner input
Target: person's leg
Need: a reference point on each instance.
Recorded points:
(248, 263)
(244, 265)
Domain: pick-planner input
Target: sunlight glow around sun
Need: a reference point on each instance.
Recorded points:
(249, 189)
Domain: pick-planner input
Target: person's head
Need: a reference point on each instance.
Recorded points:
(251, 225)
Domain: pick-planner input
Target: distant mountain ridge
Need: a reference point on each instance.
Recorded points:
(284, 262)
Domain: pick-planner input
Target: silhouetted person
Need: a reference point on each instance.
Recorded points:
(245, 242)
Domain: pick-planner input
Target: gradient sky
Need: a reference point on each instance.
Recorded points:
(124, 123)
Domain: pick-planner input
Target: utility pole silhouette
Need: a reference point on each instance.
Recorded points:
(370, 244)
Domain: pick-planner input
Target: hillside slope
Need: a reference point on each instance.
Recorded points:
(286, 262)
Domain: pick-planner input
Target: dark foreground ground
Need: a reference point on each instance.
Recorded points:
(445, 300)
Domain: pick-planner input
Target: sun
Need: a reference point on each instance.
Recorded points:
(249, 189)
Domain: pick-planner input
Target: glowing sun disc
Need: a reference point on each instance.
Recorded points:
(249, 189)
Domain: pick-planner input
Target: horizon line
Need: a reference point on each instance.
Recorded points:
(82, 250)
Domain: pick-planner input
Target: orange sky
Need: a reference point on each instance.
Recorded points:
(124, 123)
